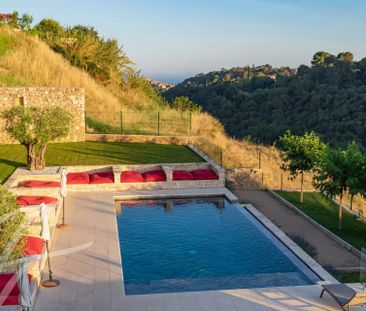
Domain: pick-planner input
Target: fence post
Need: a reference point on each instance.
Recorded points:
(262, 180)
(158, 123)
(260, 159)
(281, 182)
(221, 157)
(121, 121)
(190, 124)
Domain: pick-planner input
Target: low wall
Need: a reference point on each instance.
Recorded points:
(171, 140)
(71, 99)
(319, 226)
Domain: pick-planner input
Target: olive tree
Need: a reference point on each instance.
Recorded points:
(11, 227)
(299, 154)
(35, 128)
(332, 175)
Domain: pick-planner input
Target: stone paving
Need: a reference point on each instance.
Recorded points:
(91, 279)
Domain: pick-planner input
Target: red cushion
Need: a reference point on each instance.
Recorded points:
(5, 279)
(152, 176)
(10, 300)
(204, 174)
(182, 175)
(77, 178)
(131, 176)
(25, 200)
(41, 184)
(102, 178)
(33, 245)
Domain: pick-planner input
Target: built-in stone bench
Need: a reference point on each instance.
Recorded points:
(16, 182)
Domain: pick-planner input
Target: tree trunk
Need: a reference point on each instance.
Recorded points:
(302, 188)
(41, 161)
(31, 157)
(340, 212)
(351, 203)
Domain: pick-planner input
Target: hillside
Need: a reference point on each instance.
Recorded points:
(27, 61)
(262, 103)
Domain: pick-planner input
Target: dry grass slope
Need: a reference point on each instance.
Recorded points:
(27, 61)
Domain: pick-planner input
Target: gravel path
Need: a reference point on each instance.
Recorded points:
(329, 253)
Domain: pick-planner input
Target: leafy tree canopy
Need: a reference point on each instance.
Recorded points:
(35, 128)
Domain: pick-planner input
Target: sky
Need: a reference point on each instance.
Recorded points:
(171, 40)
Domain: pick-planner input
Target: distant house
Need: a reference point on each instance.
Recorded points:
(5, 18)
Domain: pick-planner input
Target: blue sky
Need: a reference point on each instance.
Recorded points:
(174, 39)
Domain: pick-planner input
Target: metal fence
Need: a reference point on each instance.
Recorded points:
(160, 123)
(215, 152)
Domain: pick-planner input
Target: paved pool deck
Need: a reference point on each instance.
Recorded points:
(91, 278)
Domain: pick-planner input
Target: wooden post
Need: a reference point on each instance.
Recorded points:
(190, 124)
(260, 159)
(221, 157)
(158, 123)
(121, 122)
(281, 182)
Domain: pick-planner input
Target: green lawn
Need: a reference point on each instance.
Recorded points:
(325, 212)
(96, 153)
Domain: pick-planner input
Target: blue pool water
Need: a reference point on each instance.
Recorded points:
(201, 244)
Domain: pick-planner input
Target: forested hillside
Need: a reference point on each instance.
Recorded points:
(328, 97)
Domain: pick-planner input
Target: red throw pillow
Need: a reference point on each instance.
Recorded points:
(131, 176)
(182, 175)
(102, 178)
(152, 176)
(41, 184)
(77, 178)
(12, 300)
(24, 200)
(33, 245)
(204, 174)
(5, 279)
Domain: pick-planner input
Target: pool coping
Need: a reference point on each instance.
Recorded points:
(176, 193)
(294, 248)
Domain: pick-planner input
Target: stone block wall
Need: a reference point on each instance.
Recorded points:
(71, 99)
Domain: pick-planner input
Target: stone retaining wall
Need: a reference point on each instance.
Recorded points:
(330, 234)
(171, 140)
(72, 99)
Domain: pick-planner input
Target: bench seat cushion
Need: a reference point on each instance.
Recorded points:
(41, 184)
(33, 245)
(12, 300)
(5, 278)
(182, 175)
(77, 178)
(24, 200)
(102, 178)
(131, 176)
(204, 174)
(153, 176)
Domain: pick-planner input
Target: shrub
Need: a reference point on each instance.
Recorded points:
(11, 227)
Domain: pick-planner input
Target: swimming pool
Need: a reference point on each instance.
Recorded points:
(201, 244)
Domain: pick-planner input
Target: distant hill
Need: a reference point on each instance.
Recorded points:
(328, 97)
